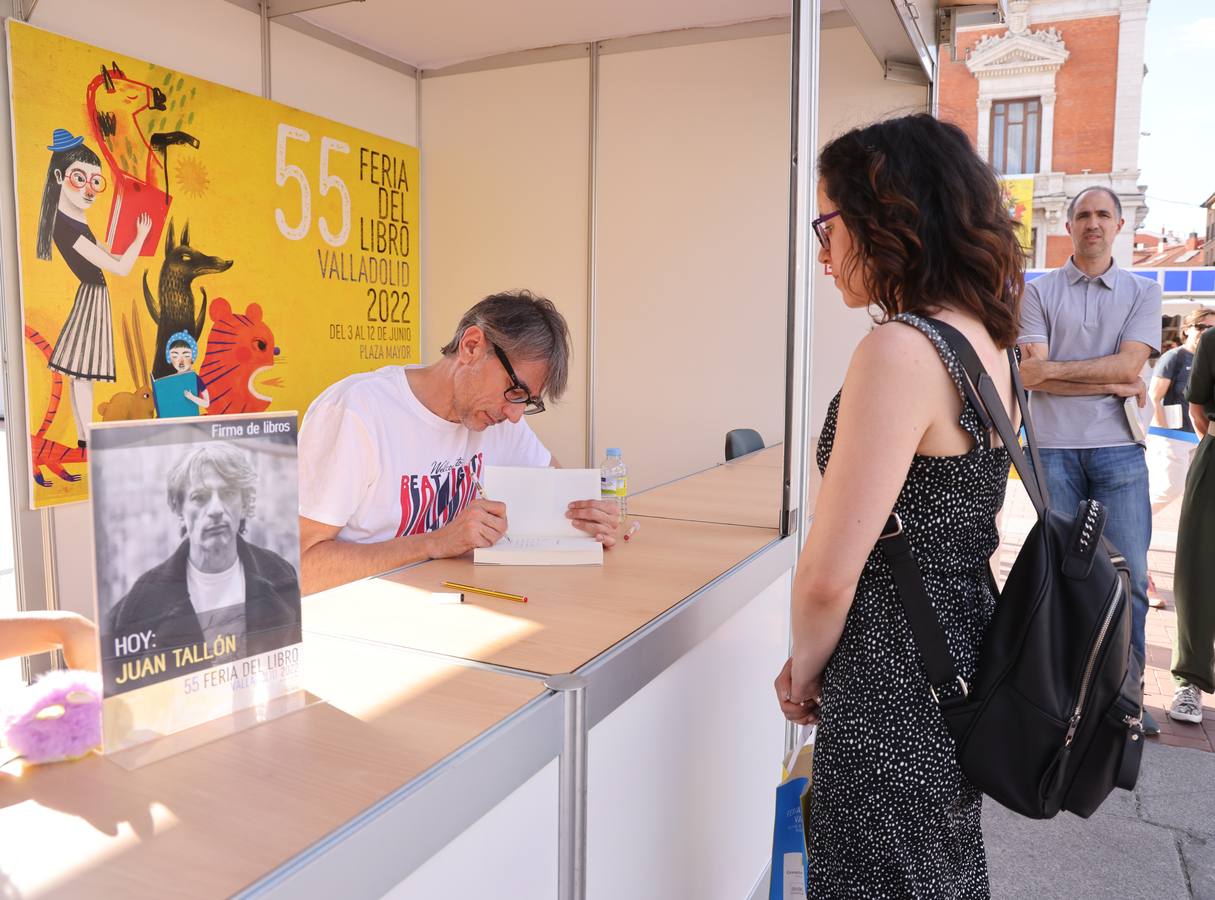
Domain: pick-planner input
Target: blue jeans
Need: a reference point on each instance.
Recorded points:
(1116, 477)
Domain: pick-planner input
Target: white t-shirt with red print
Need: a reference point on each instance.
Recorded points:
(375, 461)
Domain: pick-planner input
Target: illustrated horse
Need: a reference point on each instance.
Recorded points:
(115, 105)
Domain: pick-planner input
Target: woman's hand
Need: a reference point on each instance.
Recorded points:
(798, 696)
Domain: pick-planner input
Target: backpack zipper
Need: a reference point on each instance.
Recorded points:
(1074, 722)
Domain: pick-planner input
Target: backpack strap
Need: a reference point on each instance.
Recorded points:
(974, 420)
(1031, 477)
(925, 626)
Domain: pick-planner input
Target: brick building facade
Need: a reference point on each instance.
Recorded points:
(1056, 93)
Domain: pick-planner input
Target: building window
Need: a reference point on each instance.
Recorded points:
(1016, 128)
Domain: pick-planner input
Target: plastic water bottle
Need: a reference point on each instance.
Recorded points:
(614, 480)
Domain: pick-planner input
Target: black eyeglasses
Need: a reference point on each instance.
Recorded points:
(823, 234)
(1200, 327)
(518, 392)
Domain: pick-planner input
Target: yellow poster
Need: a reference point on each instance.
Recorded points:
(1019, 200)
(189, 249)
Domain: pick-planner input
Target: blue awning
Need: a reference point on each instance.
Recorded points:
(1177, 283)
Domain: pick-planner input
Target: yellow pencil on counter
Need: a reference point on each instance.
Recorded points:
(501, 595)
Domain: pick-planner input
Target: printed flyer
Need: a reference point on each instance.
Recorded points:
(174, 230)
(196, 547)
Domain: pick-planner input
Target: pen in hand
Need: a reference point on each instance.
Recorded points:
(481, 494)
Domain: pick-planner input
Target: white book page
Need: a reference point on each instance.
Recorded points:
(537, 498)
(546, 543)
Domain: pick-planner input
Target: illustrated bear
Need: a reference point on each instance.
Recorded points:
(239, 348)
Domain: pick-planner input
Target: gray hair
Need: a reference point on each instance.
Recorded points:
(1071, 207)
(524, 326)
(227, 462)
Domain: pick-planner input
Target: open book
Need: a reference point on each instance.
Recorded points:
(538, 533)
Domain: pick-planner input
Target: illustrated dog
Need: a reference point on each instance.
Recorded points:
(174, 311)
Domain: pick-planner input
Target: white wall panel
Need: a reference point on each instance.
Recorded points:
(683, 776)
(208, 38)
(509, 853)
(329, 82)
(693, 219)
(504, 206)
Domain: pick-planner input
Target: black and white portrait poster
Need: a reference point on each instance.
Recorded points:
(196, 544)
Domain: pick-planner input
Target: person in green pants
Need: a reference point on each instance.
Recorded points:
(1194, 578)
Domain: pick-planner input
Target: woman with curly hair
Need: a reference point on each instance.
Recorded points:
(913, 224)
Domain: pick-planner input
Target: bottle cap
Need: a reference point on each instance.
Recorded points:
(613, 451)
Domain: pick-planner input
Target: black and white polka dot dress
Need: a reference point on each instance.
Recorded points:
(891, 813)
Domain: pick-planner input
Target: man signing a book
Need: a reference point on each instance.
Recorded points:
(391, 460)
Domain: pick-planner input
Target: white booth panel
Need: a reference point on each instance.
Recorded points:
(682, 776)
(504, 206)
(212, 39)
(854, 92)
(511, 852)
(327, 81)
(693, 234)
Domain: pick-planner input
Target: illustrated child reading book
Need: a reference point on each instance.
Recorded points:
(183, 393)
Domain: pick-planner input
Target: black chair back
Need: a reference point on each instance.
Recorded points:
(742, 441)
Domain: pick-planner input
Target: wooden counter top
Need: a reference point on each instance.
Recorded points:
(572, 615)
(731, 494)
(209, 821)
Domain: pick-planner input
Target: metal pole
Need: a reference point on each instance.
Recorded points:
(806, 27)
(264, 9)
(571, 791)
(419, 237)
(591, 254)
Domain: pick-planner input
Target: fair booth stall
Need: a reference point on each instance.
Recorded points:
(648, 167)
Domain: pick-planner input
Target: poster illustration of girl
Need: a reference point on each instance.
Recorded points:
(84, 351)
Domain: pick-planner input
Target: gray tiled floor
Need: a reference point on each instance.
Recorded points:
(1157, 843)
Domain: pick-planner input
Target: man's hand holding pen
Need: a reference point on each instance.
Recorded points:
(481, 524)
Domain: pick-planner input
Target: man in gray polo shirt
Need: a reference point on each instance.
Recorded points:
(1086, 331)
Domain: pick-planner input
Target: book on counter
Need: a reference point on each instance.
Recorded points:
(538, 532)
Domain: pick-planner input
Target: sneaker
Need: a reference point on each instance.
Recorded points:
(1155, 601)
(1150, 728)
(1187, 704)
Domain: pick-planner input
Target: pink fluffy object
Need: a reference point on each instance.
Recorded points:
(58, 717)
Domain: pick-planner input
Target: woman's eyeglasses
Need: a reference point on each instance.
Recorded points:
(821, 232)
(1200, 327)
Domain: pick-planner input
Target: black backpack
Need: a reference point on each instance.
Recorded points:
(1052, 720)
